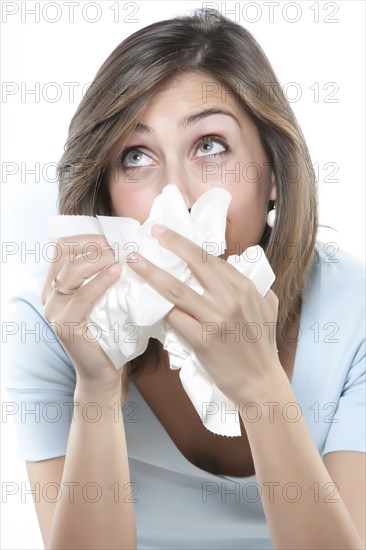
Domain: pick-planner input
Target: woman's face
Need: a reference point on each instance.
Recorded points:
(195, 134)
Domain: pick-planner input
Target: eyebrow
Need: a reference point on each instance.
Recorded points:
(188, 121)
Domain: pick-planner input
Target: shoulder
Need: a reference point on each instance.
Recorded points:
(338, 278)
(27, 298)
(338, 266)
(334, 304)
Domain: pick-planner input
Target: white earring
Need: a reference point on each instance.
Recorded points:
(271, 216)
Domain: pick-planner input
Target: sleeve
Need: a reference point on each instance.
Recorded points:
(38, 381)
(348, 428)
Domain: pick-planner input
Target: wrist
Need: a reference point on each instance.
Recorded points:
(272, 383)
(86, 391)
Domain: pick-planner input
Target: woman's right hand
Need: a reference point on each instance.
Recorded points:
(68, 314)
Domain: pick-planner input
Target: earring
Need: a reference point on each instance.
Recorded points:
(271, 216)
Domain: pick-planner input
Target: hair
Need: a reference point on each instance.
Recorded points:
(138, 68)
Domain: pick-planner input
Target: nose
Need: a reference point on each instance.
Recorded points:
(188, 187)
(185, 191)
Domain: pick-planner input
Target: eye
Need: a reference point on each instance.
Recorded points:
(211, 145)
(131, 158)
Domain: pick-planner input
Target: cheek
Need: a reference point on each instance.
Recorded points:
(246, 217)
(132, 203)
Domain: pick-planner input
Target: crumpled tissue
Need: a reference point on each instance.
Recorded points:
(131, 311)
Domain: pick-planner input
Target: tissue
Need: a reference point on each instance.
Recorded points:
(131, 311)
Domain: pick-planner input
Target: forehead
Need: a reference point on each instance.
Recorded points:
(196, 88)
(183, 97)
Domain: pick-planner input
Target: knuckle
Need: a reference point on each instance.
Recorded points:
(178, 291)
(94, 259)
(231, 308)
(91, 250)
(104, 255)
(65, 270)
(249, 285)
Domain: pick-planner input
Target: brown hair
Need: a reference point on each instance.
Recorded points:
(138, 68)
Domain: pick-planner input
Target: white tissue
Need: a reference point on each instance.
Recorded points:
(131, 311)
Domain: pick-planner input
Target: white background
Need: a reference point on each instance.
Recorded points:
(322, 51)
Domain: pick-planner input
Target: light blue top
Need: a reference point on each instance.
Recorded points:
(179, 505)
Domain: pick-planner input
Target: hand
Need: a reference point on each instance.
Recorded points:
(235, 361)
(68, 314)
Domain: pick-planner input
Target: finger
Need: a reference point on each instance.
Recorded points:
(211, 271)
(208, 269)
(185, 325)
(73, 274)
(79, 244)
(66, 248)
(171, 288)
(79, 307)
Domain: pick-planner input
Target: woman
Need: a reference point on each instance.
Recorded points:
(160, 479)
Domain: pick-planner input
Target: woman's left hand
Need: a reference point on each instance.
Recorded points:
(231, 327)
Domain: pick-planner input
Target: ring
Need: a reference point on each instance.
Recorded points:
(61, 290)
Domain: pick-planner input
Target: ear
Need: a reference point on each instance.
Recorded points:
(273, 192)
